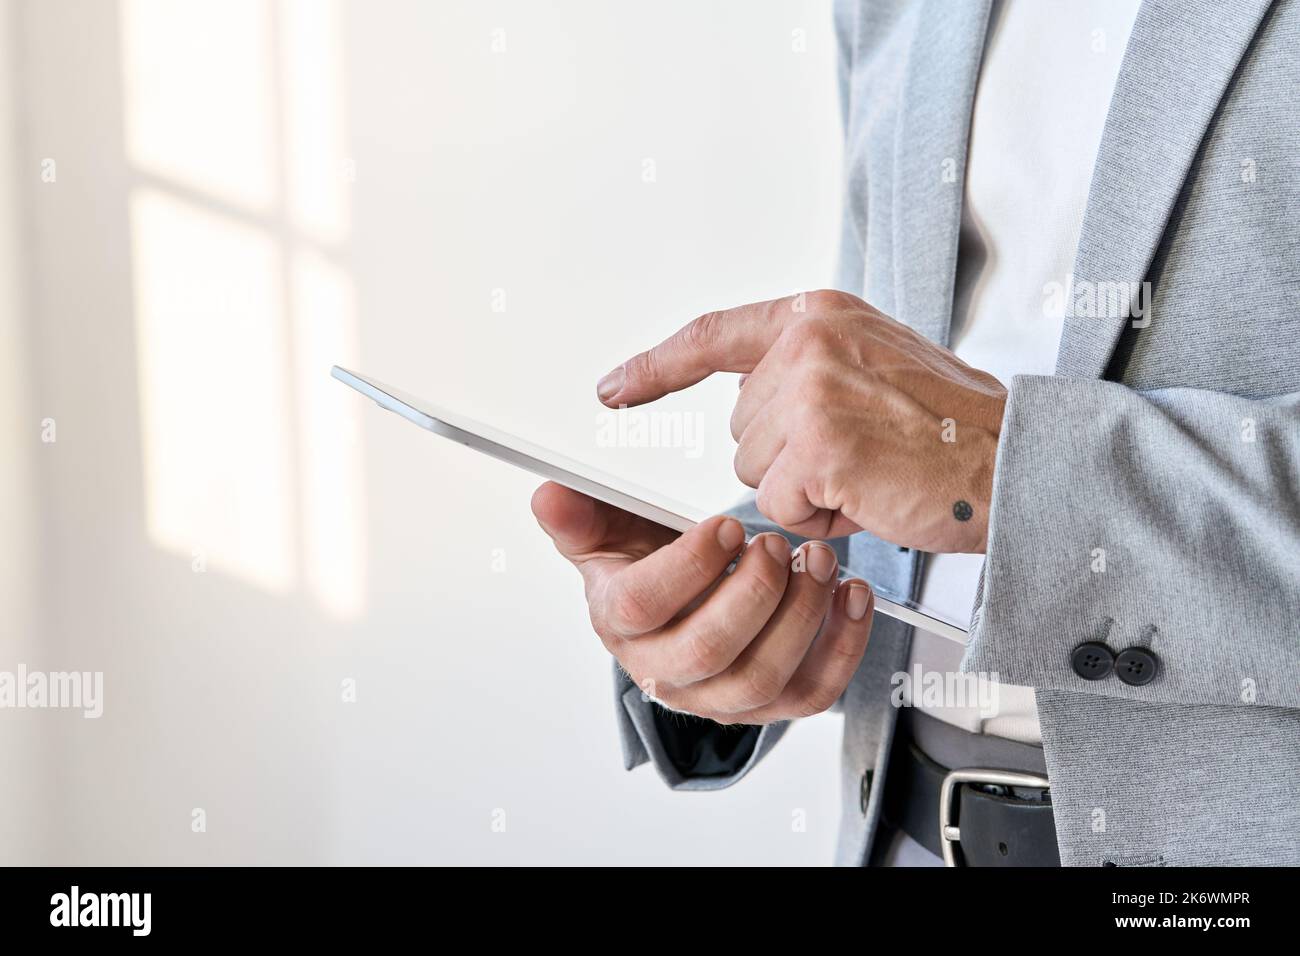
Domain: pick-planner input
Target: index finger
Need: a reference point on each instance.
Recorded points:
(733, 340)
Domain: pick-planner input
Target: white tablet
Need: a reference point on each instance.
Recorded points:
(582, 477)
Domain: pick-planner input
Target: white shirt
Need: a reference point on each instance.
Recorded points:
(1045, 85)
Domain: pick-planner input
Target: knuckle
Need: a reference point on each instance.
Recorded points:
(806, 331)
(847, 653)
(809, 338)
(697, 564)
(603, 631)
(701, 334)
(827, 300)
(744, 470)
(807, 611)
(817, 697)
(758, 685)
(765, 500)
(630, 608)
(775, 506)
(705, 654)
(734, 423)
(599, 619)
(764, 586)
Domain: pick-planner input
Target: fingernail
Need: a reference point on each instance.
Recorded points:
(610, 385)
(821, 562)
(777, 546)
(855, 605)
(730, 535)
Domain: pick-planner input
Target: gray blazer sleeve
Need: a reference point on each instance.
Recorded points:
(690, 753)
(1168, 519)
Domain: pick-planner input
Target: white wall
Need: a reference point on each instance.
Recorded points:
(247, 192)
(24, 772)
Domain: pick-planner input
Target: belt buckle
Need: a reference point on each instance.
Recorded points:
(949, 833)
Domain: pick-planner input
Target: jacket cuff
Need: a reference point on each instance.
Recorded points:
(688, 753)
(1098, 533)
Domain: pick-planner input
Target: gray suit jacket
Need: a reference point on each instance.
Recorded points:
(1169, 444)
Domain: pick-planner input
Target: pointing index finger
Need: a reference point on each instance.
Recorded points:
(733, 340)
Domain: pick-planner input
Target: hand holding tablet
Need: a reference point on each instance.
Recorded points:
(763, 643)
(777, 637)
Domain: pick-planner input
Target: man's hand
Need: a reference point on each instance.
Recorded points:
(773, 640)
(846, 419)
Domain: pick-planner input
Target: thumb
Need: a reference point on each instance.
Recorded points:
(584, 528)
(573, 520)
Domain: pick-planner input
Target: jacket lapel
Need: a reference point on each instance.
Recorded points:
(1181, 56)
(930, 160)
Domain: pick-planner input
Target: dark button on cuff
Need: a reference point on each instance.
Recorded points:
(1136, 666)
(1093, 660)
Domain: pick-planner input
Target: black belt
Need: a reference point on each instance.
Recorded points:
(993, 810)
